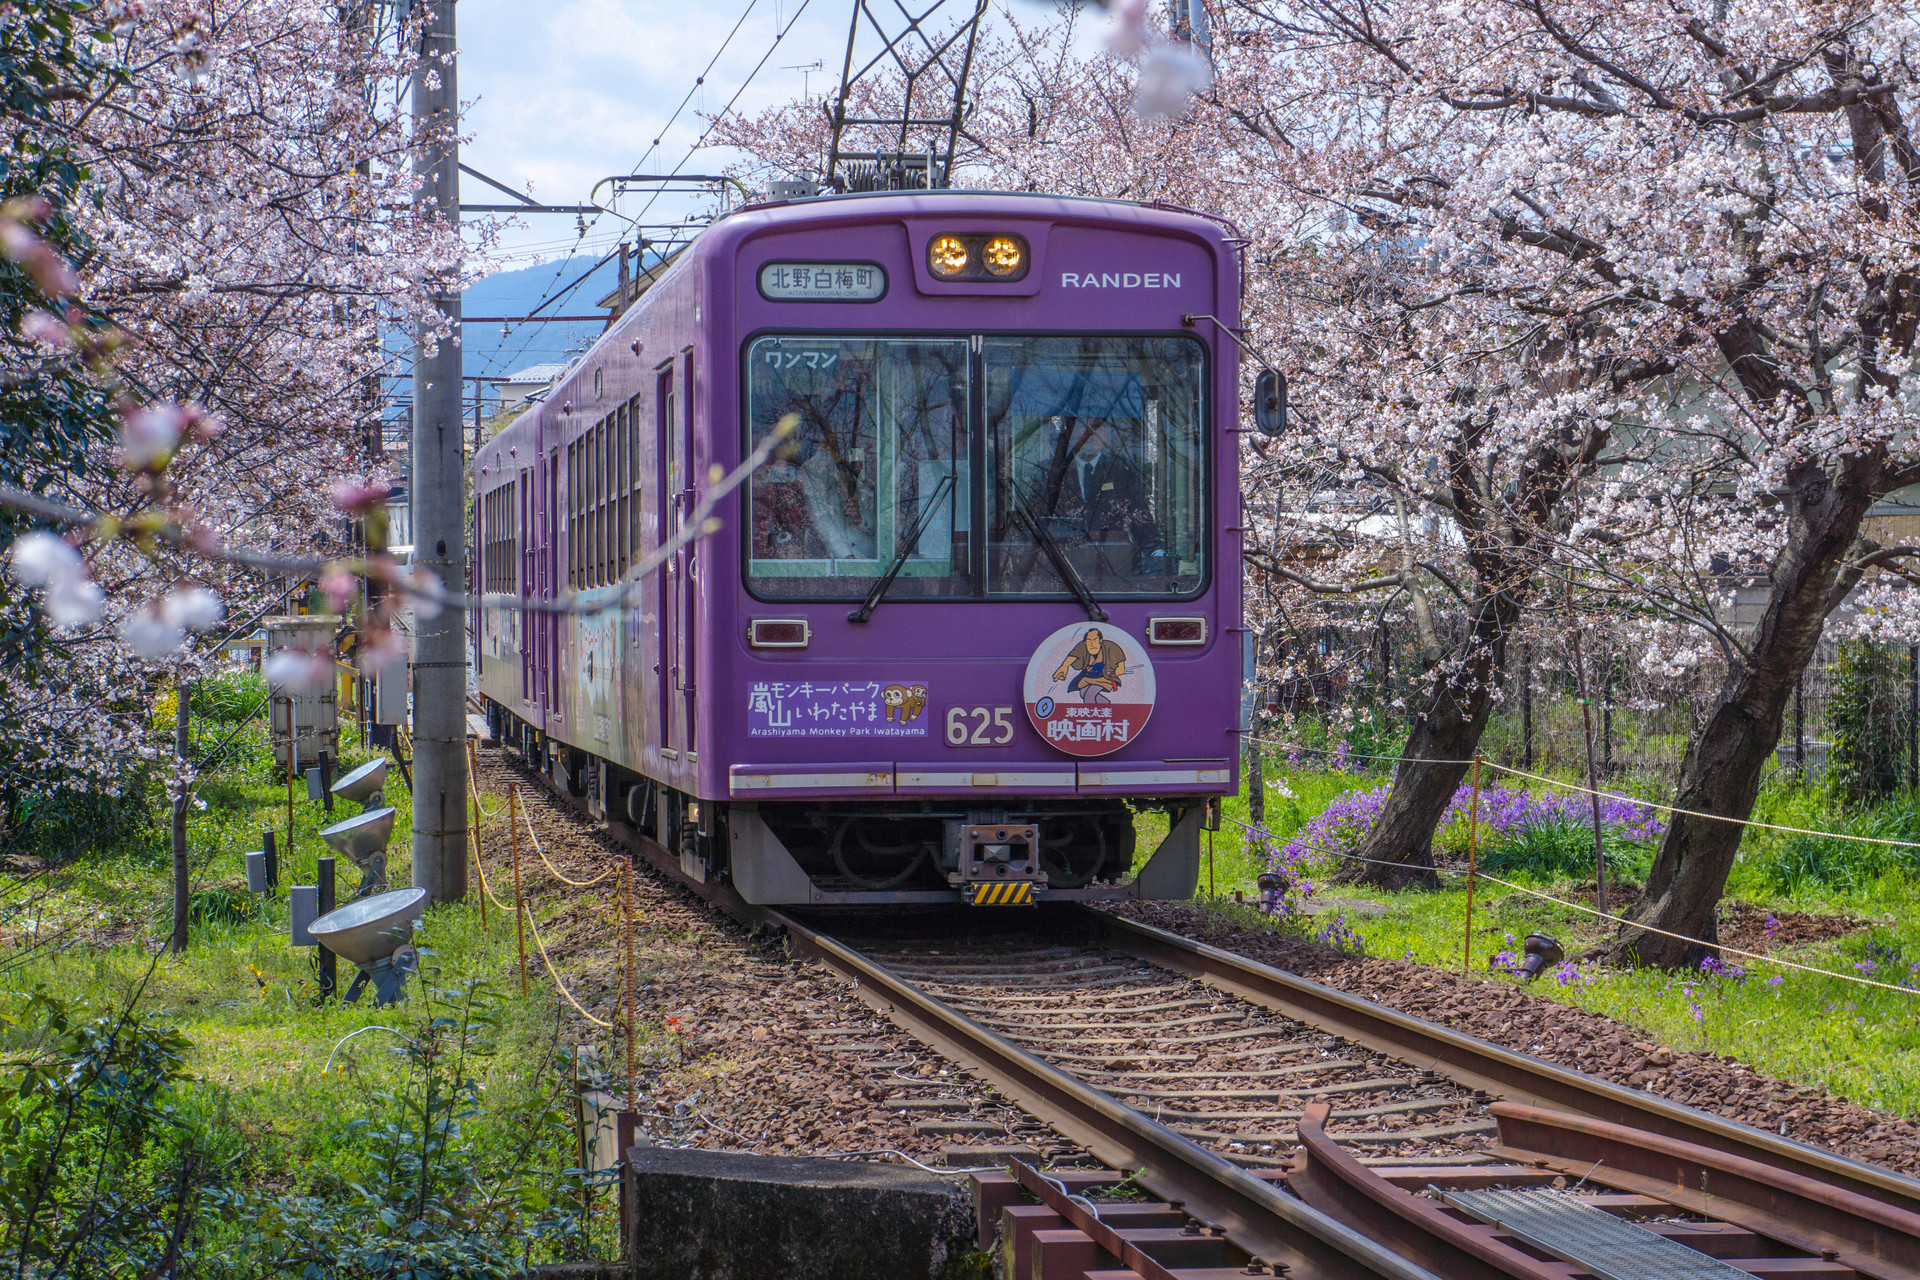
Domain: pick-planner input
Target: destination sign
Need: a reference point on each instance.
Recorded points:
(823, 281)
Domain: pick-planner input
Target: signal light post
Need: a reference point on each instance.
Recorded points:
(439, 524)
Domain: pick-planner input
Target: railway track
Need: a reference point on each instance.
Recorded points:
(1283, 1126)
(1276, 1126)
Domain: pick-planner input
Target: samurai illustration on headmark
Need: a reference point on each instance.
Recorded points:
(1098, 665)
(1089, 690)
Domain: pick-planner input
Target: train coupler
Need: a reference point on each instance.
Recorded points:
(995, 863)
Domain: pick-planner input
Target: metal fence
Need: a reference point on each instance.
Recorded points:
(1641, 719)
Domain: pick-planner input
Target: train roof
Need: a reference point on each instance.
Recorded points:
(838, 208)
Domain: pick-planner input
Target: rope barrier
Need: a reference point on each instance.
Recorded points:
(559, 874)
(1751, 955)
(1620, 920)
(1717, 817)
(555, 975)
(479, 862)
(1612, 795)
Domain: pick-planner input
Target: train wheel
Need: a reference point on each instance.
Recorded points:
(1058, 858)
(891, 882)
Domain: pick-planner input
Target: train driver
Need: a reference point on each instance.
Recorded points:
(1107, 497)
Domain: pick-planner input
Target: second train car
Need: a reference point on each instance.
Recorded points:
(981, 609)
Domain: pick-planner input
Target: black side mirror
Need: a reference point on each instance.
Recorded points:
(1270, 403)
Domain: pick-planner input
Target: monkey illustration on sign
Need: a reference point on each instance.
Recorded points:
(907, 702)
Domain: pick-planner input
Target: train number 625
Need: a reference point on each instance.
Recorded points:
(991, 727)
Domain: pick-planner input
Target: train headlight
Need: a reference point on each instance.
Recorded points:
(948, 256)
(1004, 255)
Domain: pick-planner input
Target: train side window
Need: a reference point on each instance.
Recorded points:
(670, 451)
(596, 471)
(573, 515)
(600, 503)
(635, 451)
(621, 483)
(603, 545)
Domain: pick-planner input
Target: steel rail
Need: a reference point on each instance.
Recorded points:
(1331, 1180)
(1818, 1199)
(1876, 1239)
(1258, 1218)
(1475, 1063)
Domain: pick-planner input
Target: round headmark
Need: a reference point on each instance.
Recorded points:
(1089, 689)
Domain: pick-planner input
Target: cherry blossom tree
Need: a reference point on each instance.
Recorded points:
(1703, 220)
(240, 214)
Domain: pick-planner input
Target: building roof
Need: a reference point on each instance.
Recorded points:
(539, 373)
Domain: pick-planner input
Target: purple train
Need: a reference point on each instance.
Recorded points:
(979, 610)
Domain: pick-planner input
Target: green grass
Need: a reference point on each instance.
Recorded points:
(246, 999)
(1859, 1042)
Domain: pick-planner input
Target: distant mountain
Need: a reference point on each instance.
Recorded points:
(494, 350)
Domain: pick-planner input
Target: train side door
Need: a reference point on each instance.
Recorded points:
(523, 581)
(663, 505)
(690, 565)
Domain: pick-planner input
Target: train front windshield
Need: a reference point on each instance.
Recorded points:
(1097, 444)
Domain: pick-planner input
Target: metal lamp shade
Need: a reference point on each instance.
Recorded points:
(369, 780)
(358, 838)
(371, 929)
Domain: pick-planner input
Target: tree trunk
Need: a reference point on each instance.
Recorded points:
(183, 698)
(1398, 851)
(1720, 773)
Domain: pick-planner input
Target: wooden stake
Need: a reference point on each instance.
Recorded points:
(1473, 859)
(580, 1132)
(519, 909)
(292, 748)
(473, 794)
(1593, 780)
(626, 914)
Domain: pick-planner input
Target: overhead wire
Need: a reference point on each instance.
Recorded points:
(724, 111)
(494, 361)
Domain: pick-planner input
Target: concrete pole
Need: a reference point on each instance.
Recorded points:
(439, 544)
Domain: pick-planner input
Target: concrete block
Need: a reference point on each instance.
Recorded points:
(720, 1215)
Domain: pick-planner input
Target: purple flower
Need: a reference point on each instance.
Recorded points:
(1723, 969)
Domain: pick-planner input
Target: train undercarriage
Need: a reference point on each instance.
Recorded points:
(841, 852)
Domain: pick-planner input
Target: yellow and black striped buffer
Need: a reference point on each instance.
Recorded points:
(1004, 893)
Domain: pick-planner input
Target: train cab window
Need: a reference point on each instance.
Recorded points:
(876, 469)
(1100, 441)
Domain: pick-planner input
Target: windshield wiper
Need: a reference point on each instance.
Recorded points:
(1060, 563)
(907, 548)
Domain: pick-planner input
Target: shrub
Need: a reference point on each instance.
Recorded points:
(1865, 719)
(99, 1174)
(1804, 862)
(1519, 831)
(1555, 845)
(229, 699)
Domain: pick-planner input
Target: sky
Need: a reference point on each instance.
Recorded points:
(559, 96)
(563, 95)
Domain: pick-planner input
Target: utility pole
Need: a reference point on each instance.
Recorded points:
(439, 539)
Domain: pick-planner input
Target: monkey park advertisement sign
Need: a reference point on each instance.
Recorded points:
(1089, 689)
(836, 709)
